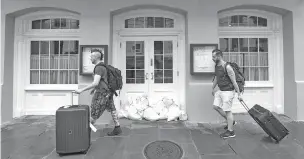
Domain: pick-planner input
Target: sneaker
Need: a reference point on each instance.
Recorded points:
(227, 134)
(117, 130)
(226, 127)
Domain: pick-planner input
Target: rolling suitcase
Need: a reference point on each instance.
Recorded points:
(267, 121)
(73, 132)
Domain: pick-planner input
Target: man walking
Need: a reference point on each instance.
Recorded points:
(223, 98)
(103, 97)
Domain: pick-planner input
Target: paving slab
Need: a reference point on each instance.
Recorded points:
(33, 137)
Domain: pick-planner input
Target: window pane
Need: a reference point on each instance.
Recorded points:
(246, 73)
(224, 21)
(226, 56)
(158, 47)
(224, 43)
(263, 59)
(245, 58)
(158, 62)
(158, 76)
(73, 77)
(140, 76)
(46, 23)
(169, 23)
(34, 77)
(36, 24)
(149, 22)
(244, 44)
(130, 48)
(262, 22)
(263, 44)
(130, 74)
(168, 48)
(168, 62)
(252, 21)
(55, 23)
(254, 59)
(139, 22)
(63, 77)
(264, 74)
(159, 22)
(140, 62)
(254, 74)
(65, 23)
(34, 55)
(64, 54)
(74, 24)
(234, 57)
(44, 77)
(253, 44)
(234, 45)
(234, 20)
(139, 48)
(73, 58)
(129, 23)
(44, 55)
(130, 62)
(54, 54)
(54, 77)
(243, 20)
(168, 74)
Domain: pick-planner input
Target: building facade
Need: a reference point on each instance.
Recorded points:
(150, 42)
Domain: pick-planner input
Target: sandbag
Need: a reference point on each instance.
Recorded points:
(167, 102)
(150, 114)
(132, 113)
(174, 113)
(163, 114)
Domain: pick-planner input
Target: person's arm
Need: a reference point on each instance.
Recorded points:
(214, 82)
(93, 84)
(231, 75)
(99, 72)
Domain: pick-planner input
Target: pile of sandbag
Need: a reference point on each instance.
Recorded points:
(140, 107)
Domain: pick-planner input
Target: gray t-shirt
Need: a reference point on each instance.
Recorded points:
(101, 71)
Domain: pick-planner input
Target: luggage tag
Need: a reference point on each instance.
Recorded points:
(93, 127)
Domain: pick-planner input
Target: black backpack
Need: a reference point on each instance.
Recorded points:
(114, 78)
(240, 79)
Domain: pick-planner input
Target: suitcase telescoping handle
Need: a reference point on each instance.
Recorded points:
(244, 105)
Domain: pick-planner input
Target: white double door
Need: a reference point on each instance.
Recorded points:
(149, 66)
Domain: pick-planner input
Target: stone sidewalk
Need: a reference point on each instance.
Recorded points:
(33, 137)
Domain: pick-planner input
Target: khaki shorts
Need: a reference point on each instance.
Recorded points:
(224, 99)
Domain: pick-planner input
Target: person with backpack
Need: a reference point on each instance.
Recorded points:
(229, 79)
(103, 92)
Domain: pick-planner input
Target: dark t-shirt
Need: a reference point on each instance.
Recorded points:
(101, 71)
(223, 80)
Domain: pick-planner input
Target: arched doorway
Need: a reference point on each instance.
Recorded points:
(149, 48)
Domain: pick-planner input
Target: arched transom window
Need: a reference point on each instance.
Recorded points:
(55, 23)
(149, 22)
(242, 21)
(245, 37)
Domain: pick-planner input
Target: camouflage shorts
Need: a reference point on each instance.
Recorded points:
(100, 102)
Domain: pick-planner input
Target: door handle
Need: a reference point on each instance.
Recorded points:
(147, 76)
(151, 62)
(152, 76)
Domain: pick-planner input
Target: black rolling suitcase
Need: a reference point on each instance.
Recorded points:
(267, 121)
(73, 132)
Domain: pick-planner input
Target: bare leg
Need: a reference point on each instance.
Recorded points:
(220, 111)
(230, 120)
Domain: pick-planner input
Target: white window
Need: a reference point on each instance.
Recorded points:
(55, 23)
(51, 41)
(54, 62)
(246, 37)
(251, 54)
(149, 22)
